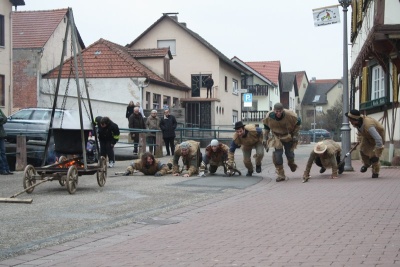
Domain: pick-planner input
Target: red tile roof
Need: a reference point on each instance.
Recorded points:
(269, 69)
(32, 29)
(326, 81)
(104, 59)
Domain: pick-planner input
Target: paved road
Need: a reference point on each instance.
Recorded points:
(350, 221)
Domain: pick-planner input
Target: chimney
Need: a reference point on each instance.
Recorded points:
(313, 79)
(172, 15)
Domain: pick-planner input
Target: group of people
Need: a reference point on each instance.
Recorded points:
(281, 133)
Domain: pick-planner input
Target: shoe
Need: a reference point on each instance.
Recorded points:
(127, 173)
(375, 175)
(168, 154)
(341, 168)
(280, 179)
(258, 168)
(111, 164)
(249, 173)
(322, 170)
(9, 173)
(169, 166)
(3, 173)
(364, 168)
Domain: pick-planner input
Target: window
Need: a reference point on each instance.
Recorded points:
(377, 83)
(226, 84)
(156, 101)
(234, 116)
(168, 43)
(2, 90)
(2, 30)
(235, 87)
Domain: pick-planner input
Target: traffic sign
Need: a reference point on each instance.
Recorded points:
(247, 100)
(243, 90)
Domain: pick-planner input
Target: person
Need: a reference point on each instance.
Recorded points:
(247, 137)
(148, 165)
(371, 136)
(140, 109)
(108, 133)
(326, 154)
(209, 82)
(190, 153)
(4, 168)
(129, 110)
(152, 123)
(284, 125)
(136, 121)
(168, 125)
(216, 154)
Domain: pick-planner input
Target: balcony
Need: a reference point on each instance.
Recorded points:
(254, 116)
(257, 90)
(374, 103)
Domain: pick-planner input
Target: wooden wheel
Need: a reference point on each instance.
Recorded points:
(102, 172)
(29, 178)
(61, 181)
(72, 179)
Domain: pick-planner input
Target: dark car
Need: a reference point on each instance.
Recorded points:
(34, 122)
(319, 134)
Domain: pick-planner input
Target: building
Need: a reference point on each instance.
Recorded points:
(375, 64)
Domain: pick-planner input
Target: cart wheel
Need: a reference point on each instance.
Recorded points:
(61, 181)
(72, 179)
(28, 179)
(102, 172)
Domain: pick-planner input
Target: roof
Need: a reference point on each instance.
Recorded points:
(299, 76)
(105, 59)
(32, 29)
(289, 82)
(17, 2)
(246, 68)
(318, 88)
(150, 52)
(269, 69)
(192, 33)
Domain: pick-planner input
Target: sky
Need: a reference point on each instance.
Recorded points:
(257, 30)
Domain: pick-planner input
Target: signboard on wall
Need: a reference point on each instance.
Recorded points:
(247, 100)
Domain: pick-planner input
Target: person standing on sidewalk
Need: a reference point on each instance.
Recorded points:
(129, 110)
(152, 123)
(326, 154)
(4, 168)
(108, 132)
(247, 137)
(136, 121)
(190, 153)
(168, 125)
(148, 165)
(284, 125)
(371, 136)
(216, 154)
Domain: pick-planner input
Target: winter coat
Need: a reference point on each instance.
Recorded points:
(153, 123)
(148, 169)
(129, 111)
(168, 126)
(191, 161)
(3, 120)
(109, 133)
(136, 121)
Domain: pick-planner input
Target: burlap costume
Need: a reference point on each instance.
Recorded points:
(191, 161)
(147, 169)
(285, 132)
(215, 159)
(371, 149)
(251, 139)
(329, 159)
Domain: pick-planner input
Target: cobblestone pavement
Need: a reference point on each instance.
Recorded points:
(350, 221)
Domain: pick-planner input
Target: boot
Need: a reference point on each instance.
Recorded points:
(280, 172)
(322, 170)
(292, 165)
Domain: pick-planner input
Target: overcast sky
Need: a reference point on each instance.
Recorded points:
(258, 30)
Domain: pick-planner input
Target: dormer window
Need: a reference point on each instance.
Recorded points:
(168, 43)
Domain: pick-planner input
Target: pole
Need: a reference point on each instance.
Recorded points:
(314, 125)
(345, 124)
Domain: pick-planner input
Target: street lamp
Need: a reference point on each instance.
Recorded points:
(345, 124)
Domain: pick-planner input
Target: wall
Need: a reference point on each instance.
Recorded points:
(6, 55)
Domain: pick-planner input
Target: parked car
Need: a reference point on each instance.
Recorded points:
(34, 122)
(319, 134)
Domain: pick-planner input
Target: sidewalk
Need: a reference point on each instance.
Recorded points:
(350, 221)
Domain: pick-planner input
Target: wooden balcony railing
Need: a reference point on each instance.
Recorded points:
(254, 116)
(256, 90)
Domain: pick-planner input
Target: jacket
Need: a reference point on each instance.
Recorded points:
(3, 120)
(153, 123)
(168, 126)
(109, 133)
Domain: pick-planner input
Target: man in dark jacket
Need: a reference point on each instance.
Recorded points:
(136, 121)
(4, 168)
(108, 132)
(168, 125)
(209, 84)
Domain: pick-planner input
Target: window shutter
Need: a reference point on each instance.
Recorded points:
(395, 84)
(364, 93)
